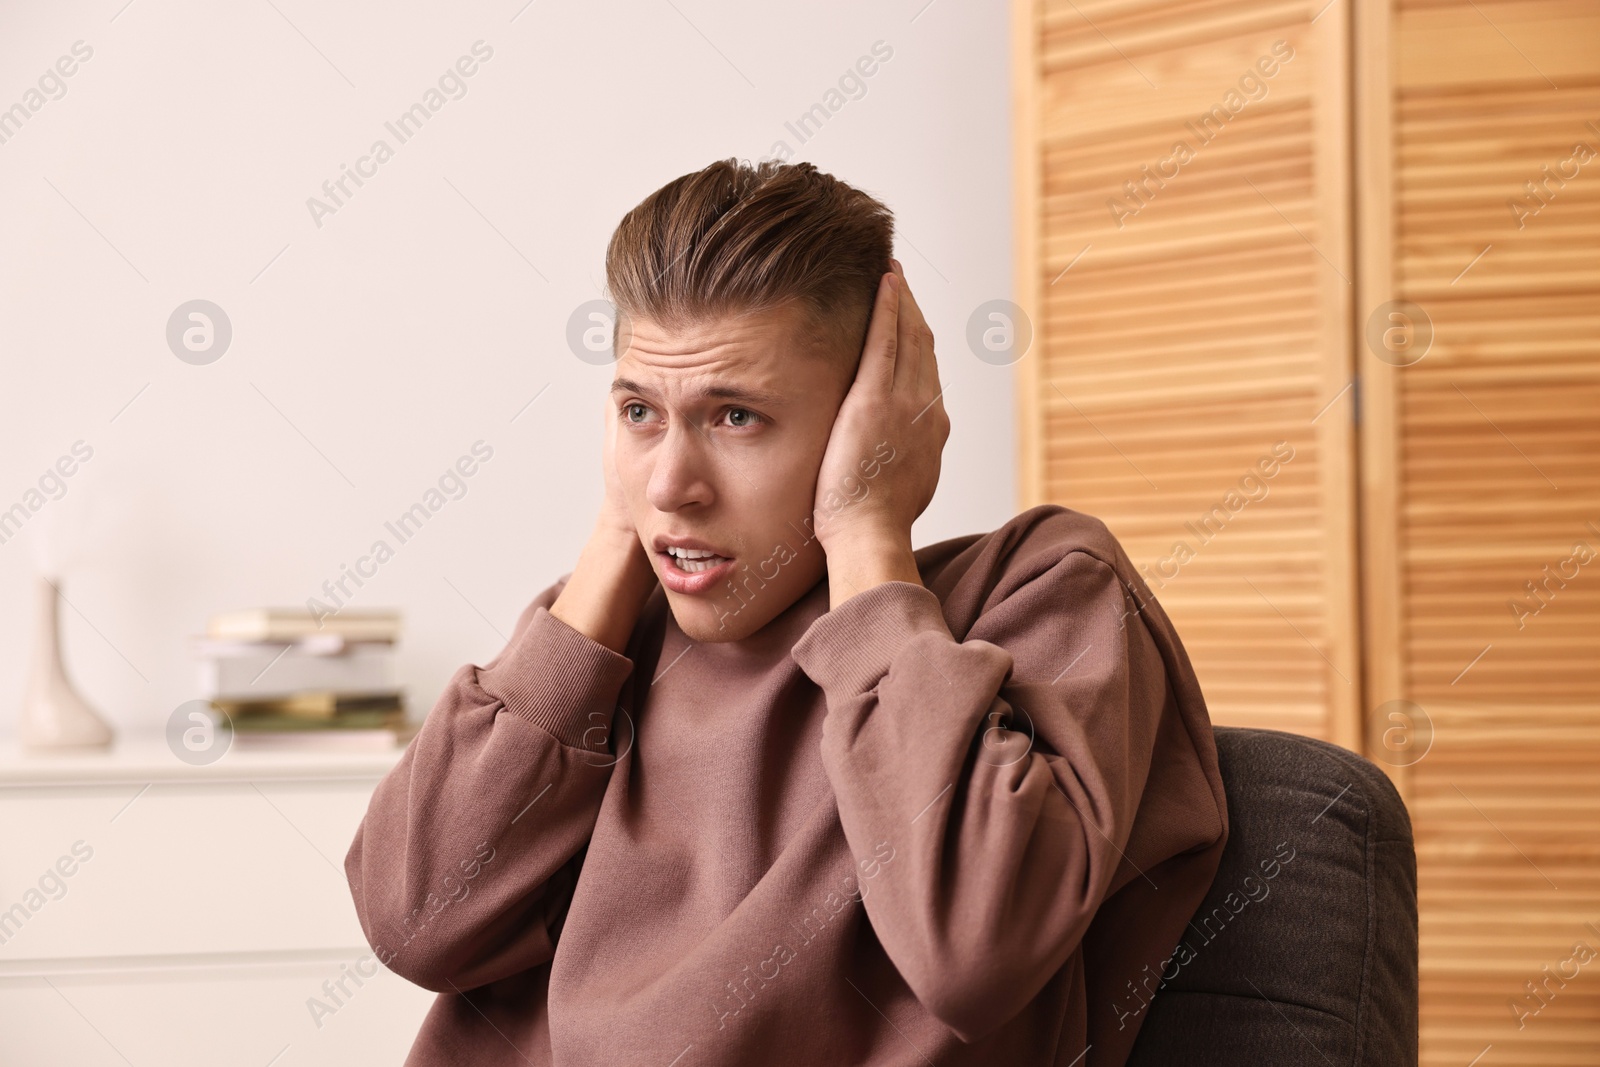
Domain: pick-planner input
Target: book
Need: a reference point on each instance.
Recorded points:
(292, 624)
(254, 670)
(328, 708)
(284, 679)
(279, 723)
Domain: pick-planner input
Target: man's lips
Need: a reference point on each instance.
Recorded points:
(691, 577)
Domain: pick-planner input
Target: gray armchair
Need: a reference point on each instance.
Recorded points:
(1305, 950)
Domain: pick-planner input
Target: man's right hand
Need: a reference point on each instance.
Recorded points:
(613, 577)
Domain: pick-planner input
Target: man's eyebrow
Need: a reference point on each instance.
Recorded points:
(721, 392)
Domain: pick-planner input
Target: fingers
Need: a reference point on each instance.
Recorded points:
(905, 366)
(919, 370)
(608, 455)
(878, 357)
(910, 310)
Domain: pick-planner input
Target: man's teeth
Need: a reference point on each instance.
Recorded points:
(694, 560)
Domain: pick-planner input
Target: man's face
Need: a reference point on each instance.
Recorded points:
(722, 431)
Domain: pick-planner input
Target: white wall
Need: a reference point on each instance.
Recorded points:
(371, 352)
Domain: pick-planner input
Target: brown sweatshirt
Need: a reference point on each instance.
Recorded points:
(955, 824)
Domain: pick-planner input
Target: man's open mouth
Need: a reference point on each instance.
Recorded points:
(690, 566)
(693, 560)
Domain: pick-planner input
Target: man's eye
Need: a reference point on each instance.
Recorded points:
(629, 409)
(750, 418)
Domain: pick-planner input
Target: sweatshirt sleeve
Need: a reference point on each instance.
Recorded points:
(464, 863)
(1003, 771)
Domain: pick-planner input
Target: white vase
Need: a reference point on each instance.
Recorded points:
(54, 716)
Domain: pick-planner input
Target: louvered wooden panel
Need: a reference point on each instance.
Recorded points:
(1177, 350)
(1497, 436)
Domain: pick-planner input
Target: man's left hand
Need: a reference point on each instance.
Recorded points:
(881, 465)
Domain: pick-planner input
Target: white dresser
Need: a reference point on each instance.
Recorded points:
(153, 912)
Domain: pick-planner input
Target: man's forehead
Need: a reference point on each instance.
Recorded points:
(754, 359)
(733, 335)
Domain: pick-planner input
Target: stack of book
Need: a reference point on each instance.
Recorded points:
(287, 680)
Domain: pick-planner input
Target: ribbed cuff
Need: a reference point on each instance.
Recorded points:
(850, 648)
(558, 679)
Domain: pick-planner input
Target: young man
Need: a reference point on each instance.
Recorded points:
(756, 782)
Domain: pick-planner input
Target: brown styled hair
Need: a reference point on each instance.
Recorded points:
(737, 238)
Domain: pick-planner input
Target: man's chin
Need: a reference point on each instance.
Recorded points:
(709, 619)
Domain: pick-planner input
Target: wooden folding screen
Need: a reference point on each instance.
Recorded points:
(1184, 256)
(1384, 251)
(1481, 231)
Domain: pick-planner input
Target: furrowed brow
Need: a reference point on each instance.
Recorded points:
(756, 397)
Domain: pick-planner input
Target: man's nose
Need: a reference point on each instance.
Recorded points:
(679, 474)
